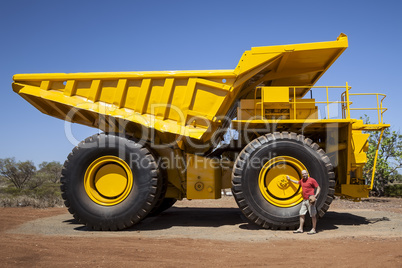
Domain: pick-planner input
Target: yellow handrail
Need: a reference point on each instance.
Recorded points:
(345, 101)
(327, 102)
(375, 161)
(380, 109)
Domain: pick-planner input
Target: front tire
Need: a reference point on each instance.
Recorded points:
(260, 187)
(110, 182)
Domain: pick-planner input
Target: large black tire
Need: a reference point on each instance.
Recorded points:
(137, 199)
(163, 203)
(245, 178)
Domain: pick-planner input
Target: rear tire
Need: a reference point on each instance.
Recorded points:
(110, 182)
(259, 180)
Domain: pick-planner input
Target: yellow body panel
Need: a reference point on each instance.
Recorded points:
(359, 147)
(168, 104)
(178, 102)
(355, 191)
(204, 177)
(275, 96)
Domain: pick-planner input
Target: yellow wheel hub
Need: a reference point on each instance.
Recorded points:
(108, 180)
(273, 184)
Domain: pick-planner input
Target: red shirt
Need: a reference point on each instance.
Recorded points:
(308, 187)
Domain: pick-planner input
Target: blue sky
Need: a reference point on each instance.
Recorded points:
(100, 36)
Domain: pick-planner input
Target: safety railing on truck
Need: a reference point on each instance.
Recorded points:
(345, 102)
(380, 109)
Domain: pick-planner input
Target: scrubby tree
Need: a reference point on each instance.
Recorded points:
(50, 171)
(398, 178)
(389, 159)
(19, 173)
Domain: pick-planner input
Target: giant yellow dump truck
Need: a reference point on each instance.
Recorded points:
(164, 136)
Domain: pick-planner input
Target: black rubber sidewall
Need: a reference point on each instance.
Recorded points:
(259, 205)
(94, 214)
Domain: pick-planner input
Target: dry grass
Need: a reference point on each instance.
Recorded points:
(27, 201)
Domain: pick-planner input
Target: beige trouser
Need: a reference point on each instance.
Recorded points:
(306, 206)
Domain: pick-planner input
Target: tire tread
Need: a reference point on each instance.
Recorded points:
(240, 164)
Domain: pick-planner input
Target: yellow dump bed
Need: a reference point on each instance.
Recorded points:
(189, 103)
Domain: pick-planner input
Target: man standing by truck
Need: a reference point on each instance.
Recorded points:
(308, 204)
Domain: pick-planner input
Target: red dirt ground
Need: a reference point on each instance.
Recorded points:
(19, 249)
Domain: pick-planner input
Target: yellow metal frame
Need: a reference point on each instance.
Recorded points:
(293, 100)
(204, 177)
(354, 127)
(380, 109)
(375, 160)
(173, 102)
(187, 103)
(345, 102)
(346, 109)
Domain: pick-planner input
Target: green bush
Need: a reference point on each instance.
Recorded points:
(393, 190)
(21, 184)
